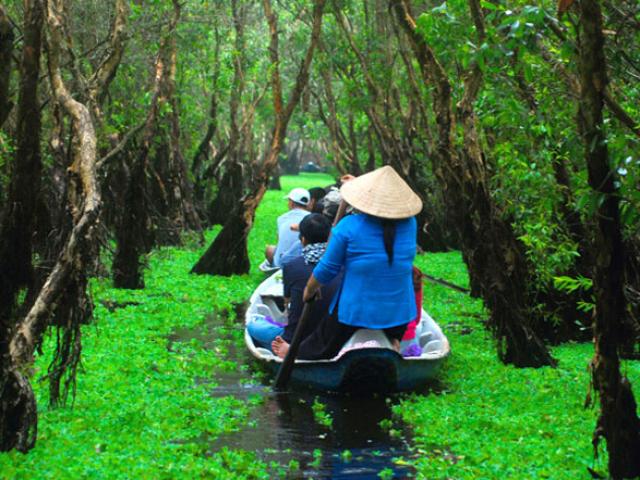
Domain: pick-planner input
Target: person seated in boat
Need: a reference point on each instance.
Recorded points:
(317, 194)
(376, 248)
(298, 200)
(329, 204)
(314, 231)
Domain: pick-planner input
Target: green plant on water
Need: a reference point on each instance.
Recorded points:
(294, 465)
(317, 458)
(385, 474)
(385, 424)
(320, 413)
(346, 456)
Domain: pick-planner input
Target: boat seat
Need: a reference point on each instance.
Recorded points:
(364, 335)
(271, 308)
(432, 347)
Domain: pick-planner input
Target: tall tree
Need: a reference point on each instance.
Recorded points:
(228, 255)
(231, 185)
(6, 50)
(495, 258)
(618, 422)
(18, 413)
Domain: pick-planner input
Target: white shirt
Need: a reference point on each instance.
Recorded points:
(286, 236)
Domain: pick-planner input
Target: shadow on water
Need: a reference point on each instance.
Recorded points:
(363, 440)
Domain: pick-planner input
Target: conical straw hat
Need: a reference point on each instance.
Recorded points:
(382, 193)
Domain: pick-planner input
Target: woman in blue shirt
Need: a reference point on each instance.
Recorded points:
(376, 248)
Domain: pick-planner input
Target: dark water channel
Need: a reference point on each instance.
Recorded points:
(284, 425)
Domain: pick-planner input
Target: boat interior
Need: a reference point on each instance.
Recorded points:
(267, 301)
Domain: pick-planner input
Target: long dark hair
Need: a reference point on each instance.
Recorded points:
(389, 237)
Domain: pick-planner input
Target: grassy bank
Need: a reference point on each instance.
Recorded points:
(496, 421)
(139, 413)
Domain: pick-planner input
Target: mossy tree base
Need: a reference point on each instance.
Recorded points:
(228, 254)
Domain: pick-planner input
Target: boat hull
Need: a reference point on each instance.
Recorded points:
(367, 362)
(377, 370)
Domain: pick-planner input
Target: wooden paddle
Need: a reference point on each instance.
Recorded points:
(287, 364)
(282, 378)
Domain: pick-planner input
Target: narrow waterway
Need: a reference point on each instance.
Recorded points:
(330, 436)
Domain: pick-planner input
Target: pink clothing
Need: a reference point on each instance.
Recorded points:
(410, 333)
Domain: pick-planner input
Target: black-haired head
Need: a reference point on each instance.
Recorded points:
(315, 228)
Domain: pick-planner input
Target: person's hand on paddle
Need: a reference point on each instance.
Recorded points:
(312, 290)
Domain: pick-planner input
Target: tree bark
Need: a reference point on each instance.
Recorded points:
(618, 422)
(203, 151)
(84, 202)
(231, 185)
(6, 50)
(133, 229)
(18, 411)
(182, 212)
(18, 220)
(228, 252)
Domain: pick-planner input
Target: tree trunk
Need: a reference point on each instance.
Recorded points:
(133, 227)
(18, 220)
(232, 240)
(6, 50)
(64, 294)
(18, 410)
(229, 254)
(133, 230)
(274, 183)
(230, 190)
(495, 258)
(618, 422)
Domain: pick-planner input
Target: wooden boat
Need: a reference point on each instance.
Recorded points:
(367, 362)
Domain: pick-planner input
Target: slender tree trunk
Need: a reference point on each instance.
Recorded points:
(18, 220)
(64, 292)
(228, 252)
(182, 212)
(203, 151)
(618, 422)
(6, 50)
(18, 411)
(133, 230)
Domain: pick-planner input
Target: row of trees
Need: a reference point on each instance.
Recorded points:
(129, 124)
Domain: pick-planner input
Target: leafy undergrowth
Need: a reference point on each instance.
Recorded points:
(496, 421)
(140, 413)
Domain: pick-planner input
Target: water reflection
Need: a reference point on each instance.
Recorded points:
(283, 426)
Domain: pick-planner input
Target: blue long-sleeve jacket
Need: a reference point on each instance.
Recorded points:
(374, 294)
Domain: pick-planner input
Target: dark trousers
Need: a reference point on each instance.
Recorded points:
(330, 335)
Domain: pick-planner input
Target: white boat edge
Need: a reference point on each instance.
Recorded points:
(433, 341)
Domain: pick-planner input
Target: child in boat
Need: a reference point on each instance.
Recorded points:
(376, 248)
(314, 231)
(298, 200)
(329, 208)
